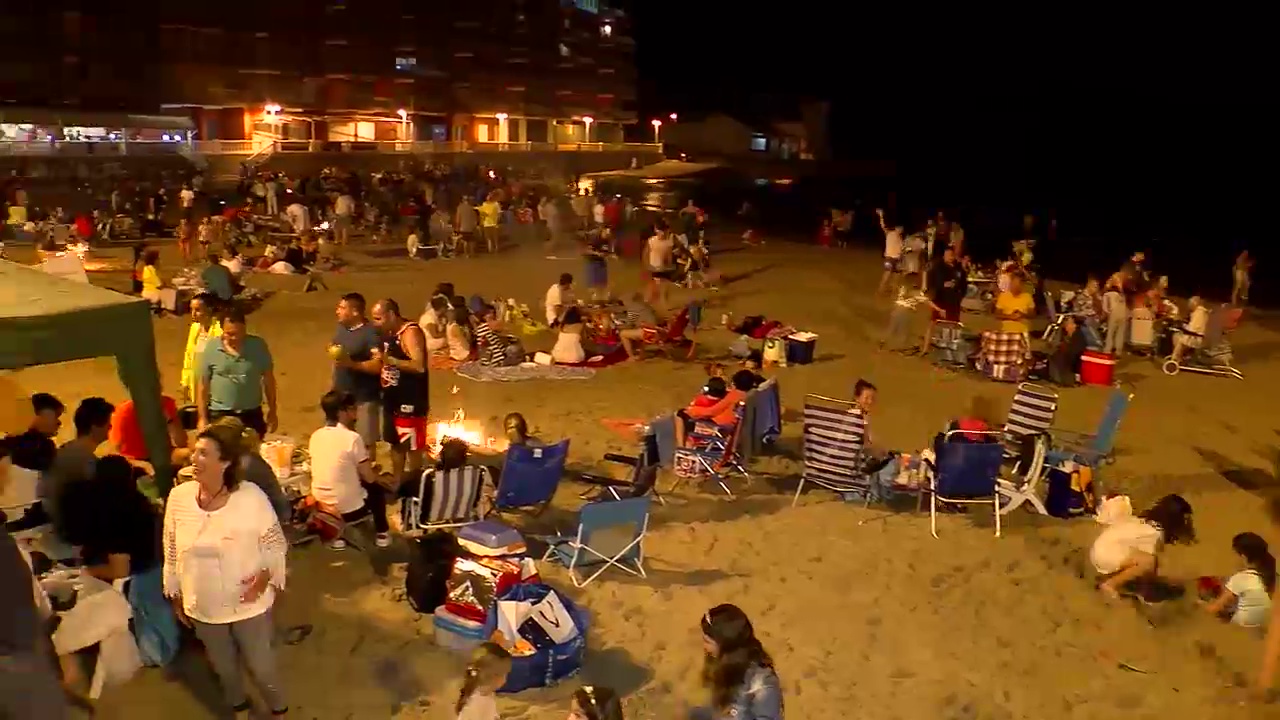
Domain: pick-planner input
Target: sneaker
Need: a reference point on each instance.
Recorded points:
(382, 540)
(338, 544)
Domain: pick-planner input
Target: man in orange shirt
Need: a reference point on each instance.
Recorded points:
(721, 412)
(127, 437)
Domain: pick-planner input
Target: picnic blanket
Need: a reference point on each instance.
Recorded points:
(516, 373)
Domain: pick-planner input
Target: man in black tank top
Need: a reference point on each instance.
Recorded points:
(404, 388)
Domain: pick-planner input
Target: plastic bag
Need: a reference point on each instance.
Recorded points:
(549, 662)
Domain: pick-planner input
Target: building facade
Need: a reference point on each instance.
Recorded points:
(336, 70)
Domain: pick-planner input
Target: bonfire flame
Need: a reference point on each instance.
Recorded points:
(459, 428)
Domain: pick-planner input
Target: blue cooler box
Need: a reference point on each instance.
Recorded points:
(800, 349)
(457, 634)
(491, 538)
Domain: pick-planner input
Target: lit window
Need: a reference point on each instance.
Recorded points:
(591, 6)
(759, 143)
(405, 64)
(517, 60)
(564, 50)
(464, 54)
(606, 30)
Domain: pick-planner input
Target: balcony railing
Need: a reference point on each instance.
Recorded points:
(249, 147)
(260, 148)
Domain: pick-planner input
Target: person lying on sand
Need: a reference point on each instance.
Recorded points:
(1245, 598)
(1128, 550)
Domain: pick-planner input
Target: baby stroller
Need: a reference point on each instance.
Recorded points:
(1213, 357)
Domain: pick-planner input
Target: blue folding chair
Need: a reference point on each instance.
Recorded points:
(965, 472)
(530, 475)
(642, 480)
(1094, 448)
(610, 534)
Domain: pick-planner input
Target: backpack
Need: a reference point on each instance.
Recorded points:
(430, 562)
(1071, 491)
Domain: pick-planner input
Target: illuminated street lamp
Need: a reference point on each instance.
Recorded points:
(587, 121)
(673, 117)
(657, 128)
(404, 124)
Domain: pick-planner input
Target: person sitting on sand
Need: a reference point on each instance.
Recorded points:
(753, 363)
(434, 323)
(486, 672)
(640, 324)
(721, 412)
(457, 334)
(516, 429)
(568, 349)
(736, 669)
(1245, 598)
(593, 702)
(1128, 549)
(496, 347)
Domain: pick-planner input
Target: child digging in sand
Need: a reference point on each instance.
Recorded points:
(1128, 550)
(1245, 599)
(486, 672)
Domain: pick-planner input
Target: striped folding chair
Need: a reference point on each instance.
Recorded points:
(454, 500)
(714, 455)
(1026, 439)
(834, 435)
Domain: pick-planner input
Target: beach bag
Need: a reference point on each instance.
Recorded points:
(1071, 491)
(545, 632)
(475, 582)
(426, 580)
(687, 465)
(774, 351)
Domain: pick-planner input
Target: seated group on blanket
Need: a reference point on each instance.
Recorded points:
(1126, 556)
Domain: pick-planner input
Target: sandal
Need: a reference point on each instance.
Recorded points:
(296, 634)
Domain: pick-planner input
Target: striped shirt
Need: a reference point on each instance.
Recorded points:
(493, 348)
(209, 555)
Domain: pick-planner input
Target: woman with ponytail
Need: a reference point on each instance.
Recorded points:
(486, 672)
(1245, 599)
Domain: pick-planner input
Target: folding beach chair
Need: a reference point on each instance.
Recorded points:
(1023, 482)
(714, 455)
(672, 336)
(1031, 413)
(1004, 356)
(965, 472)
(530, 475)
(642, 480)
(948, 347)
(834, 434)
(610, 534)
(454, 500)
(1094, 448)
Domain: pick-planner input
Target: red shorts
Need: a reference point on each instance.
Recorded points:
(407, 433)
(650, 334)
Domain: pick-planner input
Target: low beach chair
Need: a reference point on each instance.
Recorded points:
(834, 435)
(530, 475)
(454, 500)
(965, 472)
(1004, 356)
(674, 335)
(1022, 484)
(1092, 448)
(610, 534)
(1031, 413)
(947, 346)
(642, 480)
(714, 455)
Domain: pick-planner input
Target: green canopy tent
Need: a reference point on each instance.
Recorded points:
(46, 319)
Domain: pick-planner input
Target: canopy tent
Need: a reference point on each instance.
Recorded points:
(46, 319)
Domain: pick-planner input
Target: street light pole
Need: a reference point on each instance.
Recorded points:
(587, 121)
(657, 130)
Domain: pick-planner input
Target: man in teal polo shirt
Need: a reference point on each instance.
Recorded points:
(235, 373)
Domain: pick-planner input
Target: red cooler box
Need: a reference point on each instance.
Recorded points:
(1097, 368)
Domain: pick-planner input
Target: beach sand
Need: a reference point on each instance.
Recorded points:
(877, 621)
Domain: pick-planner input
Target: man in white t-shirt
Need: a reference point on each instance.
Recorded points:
(343, 210)
(187, 201)
(657, 259)
(299, 217)
(893, 246)
(559, 297)
(342, 475)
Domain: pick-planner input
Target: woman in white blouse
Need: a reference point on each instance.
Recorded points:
(224, 562)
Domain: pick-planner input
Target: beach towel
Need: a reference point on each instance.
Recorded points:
(612, 357)
(664, 432)
(528, 371)
(763, 421)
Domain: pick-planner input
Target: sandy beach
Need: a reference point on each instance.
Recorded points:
(875, 622)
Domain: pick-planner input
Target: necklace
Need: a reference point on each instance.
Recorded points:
(204, 500)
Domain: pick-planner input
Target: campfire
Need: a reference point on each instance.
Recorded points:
(459, 428)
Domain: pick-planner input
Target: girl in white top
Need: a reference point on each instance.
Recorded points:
(568, 348)
(224, 562)
(1128, 549)
(1246, 596)
(486, 672)
(457, 336)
